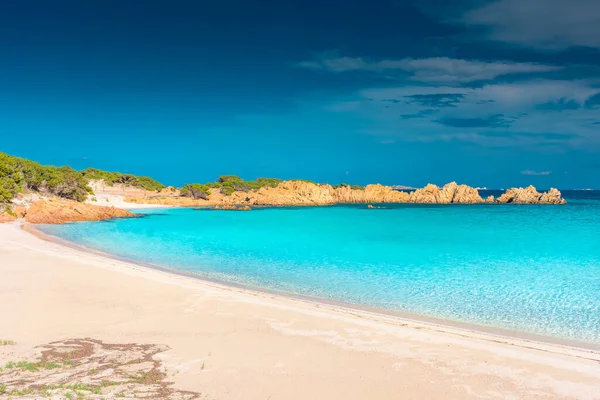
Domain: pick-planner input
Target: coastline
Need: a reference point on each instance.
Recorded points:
(236, 343)
(494, 333)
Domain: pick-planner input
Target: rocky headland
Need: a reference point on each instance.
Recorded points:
(302, 193)
(60, 211)
(53, 195)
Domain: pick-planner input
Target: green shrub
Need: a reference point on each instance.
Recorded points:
(18, 175)
(272, 182)
(354, 187)
(227, 191)
(229, 178)
(195, 191)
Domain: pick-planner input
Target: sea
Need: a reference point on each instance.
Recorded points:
(522, 268)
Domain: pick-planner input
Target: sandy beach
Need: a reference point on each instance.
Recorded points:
(232, 343)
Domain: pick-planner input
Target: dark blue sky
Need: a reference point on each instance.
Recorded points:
(489, 93)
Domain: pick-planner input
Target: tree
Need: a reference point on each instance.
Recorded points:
(195, 191)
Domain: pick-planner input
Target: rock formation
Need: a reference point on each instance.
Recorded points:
(450, 193)
(59, 211)
(301, 193)
(530, 195)
(6, 217)
(370, 194)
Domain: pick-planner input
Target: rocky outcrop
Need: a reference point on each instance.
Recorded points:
(301, 193)
(552, 196)
(11, 214)
(296, 193)
(59, 211)
(450, 193)
(530, 195)
(370, 194)
(6, 217)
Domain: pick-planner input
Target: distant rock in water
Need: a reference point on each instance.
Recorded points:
(60, 211)
(530, 195)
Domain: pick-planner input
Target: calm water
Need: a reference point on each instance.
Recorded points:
(525, 268)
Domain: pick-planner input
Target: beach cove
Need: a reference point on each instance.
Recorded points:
(227, 342)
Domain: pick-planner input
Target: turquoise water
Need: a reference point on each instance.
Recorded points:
(532, 269)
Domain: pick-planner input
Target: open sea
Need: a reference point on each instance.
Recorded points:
(525, 268)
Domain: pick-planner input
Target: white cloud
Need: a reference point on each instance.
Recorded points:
(536, 173)
(549, 24)
(433, 70)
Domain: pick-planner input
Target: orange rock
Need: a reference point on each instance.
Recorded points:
(58, 211)
(5, 217)
(301, 193)
(20, 211)
(450, 193)
(530, 195)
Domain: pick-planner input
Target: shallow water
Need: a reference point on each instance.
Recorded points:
(525, 268)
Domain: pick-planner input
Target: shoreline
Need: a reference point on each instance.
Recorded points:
(233, 343)
(489, 333)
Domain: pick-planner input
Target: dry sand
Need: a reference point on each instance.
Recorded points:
(114, 196)
(231, 343)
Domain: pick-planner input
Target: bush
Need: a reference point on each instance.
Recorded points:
(227, 191)
(353, 187)
(20, 175)
(271, 182)
(195, 191)
(229, 178)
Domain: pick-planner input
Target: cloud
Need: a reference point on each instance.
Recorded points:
(536, 173)
(421, 114)
(431, 70)
(494, 121)
(593, 101)
(546, 24)
(437, 100)
(517, 114)
(561, 104)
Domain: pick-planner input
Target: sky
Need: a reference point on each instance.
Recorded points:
(488, 93)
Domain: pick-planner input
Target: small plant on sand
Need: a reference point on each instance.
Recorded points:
(31, 367)
(7, 343)
(2, 388)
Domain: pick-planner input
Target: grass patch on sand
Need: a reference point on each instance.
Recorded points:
(30, 366)
(7, 342)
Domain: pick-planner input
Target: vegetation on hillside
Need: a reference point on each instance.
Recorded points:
(112, 178)
(195, 191)
(18, 175)
(354, 187)
(228, 184)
